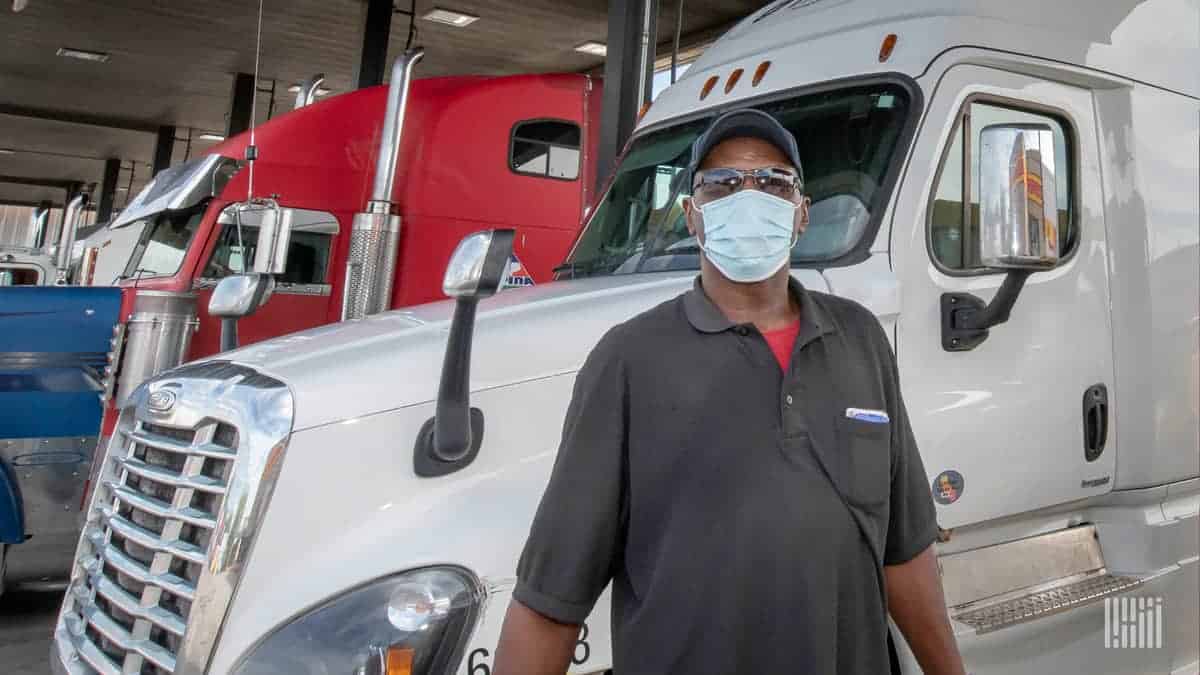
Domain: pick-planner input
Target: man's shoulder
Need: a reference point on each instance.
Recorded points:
(640, 332)
(849, 316)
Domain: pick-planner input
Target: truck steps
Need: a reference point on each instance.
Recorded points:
(1058, 597)
(998, 586)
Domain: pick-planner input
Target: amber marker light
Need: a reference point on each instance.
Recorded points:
(885, 49)
(733, 80)
(645, 109)
(399, 661)
(759, 72)
(708, 87)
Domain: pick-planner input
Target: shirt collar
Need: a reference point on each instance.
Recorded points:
(706, 317)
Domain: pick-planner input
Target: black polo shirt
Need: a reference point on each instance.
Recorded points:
(743, 514)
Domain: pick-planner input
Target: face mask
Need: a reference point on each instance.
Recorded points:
(748, 235)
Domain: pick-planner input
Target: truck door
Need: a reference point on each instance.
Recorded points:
(302, 294)
(1002, 427)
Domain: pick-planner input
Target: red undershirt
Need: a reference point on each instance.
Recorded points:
(781, 342)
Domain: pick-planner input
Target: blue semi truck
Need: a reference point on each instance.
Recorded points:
(56, 349)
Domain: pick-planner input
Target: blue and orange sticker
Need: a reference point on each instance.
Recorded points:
(947, 487)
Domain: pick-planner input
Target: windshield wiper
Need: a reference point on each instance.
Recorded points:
(573, 267)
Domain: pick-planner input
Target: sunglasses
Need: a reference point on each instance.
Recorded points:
(713, 184)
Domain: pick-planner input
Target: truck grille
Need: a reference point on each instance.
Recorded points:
(155, 511)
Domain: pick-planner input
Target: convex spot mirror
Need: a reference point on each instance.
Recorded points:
(1018, 203)
(477, 266)
(274, 227)
(240, 295)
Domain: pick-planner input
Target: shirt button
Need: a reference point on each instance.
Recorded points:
(742, 330)
(788, 399)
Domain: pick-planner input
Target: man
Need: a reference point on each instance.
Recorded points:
(738, 463)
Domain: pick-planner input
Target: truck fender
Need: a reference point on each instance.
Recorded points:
(12, 517)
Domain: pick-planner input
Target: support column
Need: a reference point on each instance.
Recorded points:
(164, 146)
(628, 76)
(241, 104)
(377, 28)
(108, 189)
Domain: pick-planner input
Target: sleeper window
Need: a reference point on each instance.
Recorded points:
(545, 148)
(954, 231)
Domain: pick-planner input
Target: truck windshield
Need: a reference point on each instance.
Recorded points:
(164, 242)
(847, 137)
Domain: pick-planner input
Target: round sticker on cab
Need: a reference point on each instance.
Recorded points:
(947, 487)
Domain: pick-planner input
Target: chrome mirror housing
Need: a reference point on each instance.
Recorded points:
(240, 295)
(476, 269)
(237, 297)
(1018, 197)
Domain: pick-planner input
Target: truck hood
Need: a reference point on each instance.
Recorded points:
(345, 371)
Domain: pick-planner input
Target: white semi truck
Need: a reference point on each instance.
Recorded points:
(1010, 187)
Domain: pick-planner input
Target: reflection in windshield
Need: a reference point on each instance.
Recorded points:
(163, 243)
(847, 141)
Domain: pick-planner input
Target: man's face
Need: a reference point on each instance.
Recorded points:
(744, 154)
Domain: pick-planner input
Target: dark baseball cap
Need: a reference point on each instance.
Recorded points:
(741, 123)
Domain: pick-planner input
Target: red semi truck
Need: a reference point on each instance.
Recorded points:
(377, 185)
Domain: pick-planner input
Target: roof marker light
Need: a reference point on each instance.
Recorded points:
(708, 87)
(885, 49)
(733, 80)
(759, 72)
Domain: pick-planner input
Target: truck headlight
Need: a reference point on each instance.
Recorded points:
(415, 623)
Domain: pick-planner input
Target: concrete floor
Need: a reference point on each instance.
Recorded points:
(26, 623)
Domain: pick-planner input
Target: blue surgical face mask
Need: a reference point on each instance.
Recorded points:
(748, 235)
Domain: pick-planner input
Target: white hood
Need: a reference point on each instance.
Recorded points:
(394, 360)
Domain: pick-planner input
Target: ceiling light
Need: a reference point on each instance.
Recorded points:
(211, 137)
(593, 48)
(101, 57)
(6, 151)
(321, 91)
(449, 17)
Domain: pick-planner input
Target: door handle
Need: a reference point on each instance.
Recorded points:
(1095, 421)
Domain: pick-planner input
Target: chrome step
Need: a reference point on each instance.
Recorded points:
(1045, 601)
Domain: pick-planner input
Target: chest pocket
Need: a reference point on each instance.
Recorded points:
(865, 462)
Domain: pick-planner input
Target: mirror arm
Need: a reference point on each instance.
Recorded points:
(451, 430)
(229, 333)
(966, 319)
(451, 438)
(999, 309)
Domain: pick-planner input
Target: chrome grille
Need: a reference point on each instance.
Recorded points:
(178, 500)
(146, 545)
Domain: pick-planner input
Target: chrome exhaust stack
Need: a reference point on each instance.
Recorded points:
(308, 90)
(376, 230)
(38, 220)
(66, 237)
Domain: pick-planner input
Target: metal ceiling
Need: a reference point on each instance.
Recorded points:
(172, 63)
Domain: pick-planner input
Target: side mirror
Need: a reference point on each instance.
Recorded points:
(273, 224)
(450, 440)
(1018, 197)
(1018, 226)
(236, 297)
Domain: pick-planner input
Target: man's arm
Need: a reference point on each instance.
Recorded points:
(914, 595)
(577, 536)
(531, 644)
